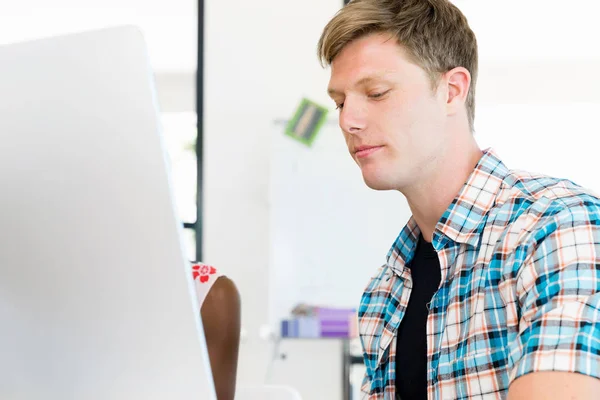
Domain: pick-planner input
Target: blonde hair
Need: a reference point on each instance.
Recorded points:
(434, 33)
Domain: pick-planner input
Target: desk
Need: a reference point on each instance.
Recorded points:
(320, 368)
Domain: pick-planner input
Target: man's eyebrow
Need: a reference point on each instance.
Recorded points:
(361, 82)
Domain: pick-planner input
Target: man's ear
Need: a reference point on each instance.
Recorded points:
(458, 81)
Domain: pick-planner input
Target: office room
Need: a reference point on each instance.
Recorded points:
(269, 202)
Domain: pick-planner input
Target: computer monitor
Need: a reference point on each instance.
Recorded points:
(96, 295)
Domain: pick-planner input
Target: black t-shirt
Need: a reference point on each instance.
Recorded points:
(411, 349)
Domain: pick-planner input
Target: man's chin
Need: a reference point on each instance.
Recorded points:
(377, 184)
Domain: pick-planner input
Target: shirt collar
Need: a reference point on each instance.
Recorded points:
(464, 220)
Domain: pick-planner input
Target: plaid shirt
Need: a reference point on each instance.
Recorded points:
(519, 293)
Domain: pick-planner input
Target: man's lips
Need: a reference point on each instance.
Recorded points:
(365, 151)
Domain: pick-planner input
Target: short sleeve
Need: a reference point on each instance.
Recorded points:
(559, 293)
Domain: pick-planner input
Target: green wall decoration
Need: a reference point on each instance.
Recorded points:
(306, 122)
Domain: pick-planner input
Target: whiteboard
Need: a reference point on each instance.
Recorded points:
(329, 232)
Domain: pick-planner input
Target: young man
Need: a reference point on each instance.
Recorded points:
(492, 290)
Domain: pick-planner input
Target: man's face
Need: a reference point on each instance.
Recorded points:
(392, 120)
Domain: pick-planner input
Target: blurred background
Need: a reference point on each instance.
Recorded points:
(294, 224)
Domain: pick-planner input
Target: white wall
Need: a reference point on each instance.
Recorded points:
(170, 29)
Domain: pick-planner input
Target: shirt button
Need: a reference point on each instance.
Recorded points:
(395, 319)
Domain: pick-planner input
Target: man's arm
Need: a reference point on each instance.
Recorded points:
(554, 385)
(221, 319)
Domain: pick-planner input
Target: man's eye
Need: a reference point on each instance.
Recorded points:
(377, 95)
(339, 106)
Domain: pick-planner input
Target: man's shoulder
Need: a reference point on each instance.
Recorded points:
(532, 208)
(542, 200)
(535, 188)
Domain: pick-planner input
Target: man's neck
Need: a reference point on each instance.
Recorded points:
(431, 197)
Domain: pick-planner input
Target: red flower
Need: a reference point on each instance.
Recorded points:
(203, 271)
